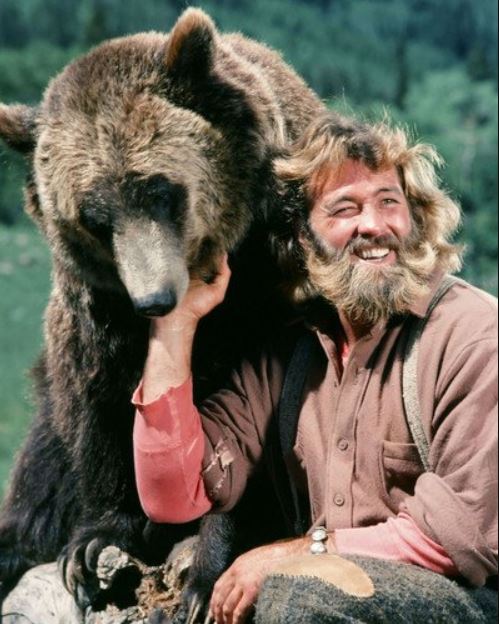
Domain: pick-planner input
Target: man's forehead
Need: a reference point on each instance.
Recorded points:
(353, 174)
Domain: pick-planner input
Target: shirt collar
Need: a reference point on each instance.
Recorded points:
(422, 305)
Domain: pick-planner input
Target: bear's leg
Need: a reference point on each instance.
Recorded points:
(78, 561)
(39, 506)
(215, 552)
(111, 513)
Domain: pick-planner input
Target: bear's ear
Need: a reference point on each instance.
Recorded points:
(18, 127)
(191, 46)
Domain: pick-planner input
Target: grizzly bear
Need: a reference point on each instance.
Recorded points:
(149, 157)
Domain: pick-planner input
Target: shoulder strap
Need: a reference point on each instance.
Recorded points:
(292, 392)
(289, 413)
(410, 391)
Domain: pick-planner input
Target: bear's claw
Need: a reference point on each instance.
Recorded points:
(78, 567)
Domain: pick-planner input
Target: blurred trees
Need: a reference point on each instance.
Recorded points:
(434, 64)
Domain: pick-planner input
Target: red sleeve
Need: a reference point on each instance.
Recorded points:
(398, 539)
(169, 447)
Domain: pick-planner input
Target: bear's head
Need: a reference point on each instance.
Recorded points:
(146, 156)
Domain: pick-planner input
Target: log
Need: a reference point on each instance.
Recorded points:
(41, 598)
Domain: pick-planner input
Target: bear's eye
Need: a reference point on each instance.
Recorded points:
(101, 231)
(161, 208)
(96, 221)
(159, 199)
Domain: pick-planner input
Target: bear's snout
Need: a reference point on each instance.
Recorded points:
(157, 305)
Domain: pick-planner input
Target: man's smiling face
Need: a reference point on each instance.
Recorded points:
(362, 212)
(366, 223)
(363, 248)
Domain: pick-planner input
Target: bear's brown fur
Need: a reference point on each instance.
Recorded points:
(150, 156)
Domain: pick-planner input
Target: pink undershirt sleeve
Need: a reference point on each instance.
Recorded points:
(397, 539)
(169, 447)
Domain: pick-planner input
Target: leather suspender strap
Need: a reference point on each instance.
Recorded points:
(289, 413)
(410, 390)
(292, 393)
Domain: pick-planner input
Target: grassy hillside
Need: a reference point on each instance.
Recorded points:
(24, 284)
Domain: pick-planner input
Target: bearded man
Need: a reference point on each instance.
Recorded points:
(368, 235)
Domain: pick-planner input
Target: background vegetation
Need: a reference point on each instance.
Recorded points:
(432, 63)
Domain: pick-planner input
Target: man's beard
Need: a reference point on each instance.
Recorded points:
(369, 294)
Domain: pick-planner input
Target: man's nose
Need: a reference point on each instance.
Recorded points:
(371, 222)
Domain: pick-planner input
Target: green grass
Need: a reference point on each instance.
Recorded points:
(24, 287)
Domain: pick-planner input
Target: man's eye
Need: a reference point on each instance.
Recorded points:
(344, 211)
(389, 201)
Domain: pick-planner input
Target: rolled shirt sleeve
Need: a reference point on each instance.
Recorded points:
(235, 422)
(189, 460)
(457, 503)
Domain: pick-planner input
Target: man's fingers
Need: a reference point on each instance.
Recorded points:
(231, 602)
(222, 591)
(221, 272)
(245, 608)
(220, 281)
(224, 272)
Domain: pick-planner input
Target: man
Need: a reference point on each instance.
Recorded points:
(370, 236)
(372, 239)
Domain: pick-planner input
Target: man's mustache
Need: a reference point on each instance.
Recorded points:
(356, 246)
(364, 243)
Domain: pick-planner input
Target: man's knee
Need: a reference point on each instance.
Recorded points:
(403, 595)
(295, 600)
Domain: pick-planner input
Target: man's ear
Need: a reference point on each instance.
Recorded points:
(18, 127)
(191, 46)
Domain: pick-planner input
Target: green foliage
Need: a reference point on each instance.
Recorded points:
(461, 119)
(24, 74)
(24, 284)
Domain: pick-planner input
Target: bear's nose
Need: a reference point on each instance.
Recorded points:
(157, 305)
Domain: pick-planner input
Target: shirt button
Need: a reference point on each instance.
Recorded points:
(343, 445)
(339, 500)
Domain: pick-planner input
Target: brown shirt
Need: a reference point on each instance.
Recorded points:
(354, 453)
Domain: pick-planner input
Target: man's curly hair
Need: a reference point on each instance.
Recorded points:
(325, 146)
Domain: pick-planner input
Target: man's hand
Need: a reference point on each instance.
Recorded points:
(169, 360)
(200, 300)
(237, 591)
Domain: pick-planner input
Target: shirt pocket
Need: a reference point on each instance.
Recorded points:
(400, 467)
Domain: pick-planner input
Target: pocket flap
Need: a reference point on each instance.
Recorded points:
(400, 451)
